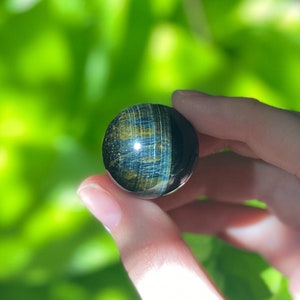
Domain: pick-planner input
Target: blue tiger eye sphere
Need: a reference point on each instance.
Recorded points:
(150, 150)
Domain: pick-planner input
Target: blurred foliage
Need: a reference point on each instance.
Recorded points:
(66, 68)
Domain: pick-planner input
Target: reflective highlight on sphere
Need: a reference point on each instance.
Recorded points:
(150, 150)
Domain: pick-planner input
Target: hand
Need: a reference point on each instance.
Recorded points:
(264, 164)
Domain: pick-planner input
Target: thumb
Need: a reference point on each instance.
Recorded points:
(156, 258)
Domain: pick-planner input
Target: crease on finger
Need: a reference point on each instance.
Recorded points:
(248, 228)
(213, 217)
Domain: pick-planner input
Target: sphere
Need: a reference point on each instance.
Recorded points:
(150, 150)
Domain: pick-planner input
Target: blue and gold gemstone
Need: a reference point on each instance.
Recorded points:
(150, 150)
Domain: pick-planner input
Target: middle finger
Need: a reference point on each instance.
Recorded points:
(233, 178)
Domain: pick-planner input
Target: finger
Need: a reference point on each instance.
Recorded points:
(213, 217)
(246, 227)
(232, 178)
(271, 133)
(295, 284)
(150, 244)
(210, 145)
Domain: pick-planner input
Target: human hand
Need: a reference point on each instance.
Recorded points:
(265, 166)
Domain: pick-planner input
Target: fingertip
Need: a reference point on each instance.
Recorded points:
(183, 95)
(97, 178)
(100, 202)
(106, 183)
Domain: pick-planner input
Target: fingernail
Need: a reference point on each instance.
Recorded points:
(101, 204)
(190, 93)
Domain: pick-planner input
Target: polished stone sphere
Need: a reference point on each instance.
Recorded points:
(150, 150)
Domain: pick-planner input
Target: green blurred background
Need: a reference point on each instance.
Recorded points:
(66, 68)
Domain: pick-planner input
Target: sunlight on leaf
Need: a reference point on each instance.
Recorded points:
(113, 22)
(109, 294)
(34, 126)
(55, 219)
(16, 199)
(273, 279)
(46, 57)
(96, 73)
(37, 276)
(14, 256)
(175, 59)
(71, 10)
(69, 291)
(97, 252)
(251, 85)
(18, 6)
(283, 14)
(164, 8)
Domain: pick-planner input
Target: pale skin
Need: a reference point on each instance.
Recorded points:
(264, 164)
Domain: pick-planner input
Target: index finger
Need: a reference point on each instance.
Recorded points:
(272, 134)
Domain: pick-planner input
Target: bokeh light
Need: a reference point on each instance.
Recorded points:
(66, 69)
